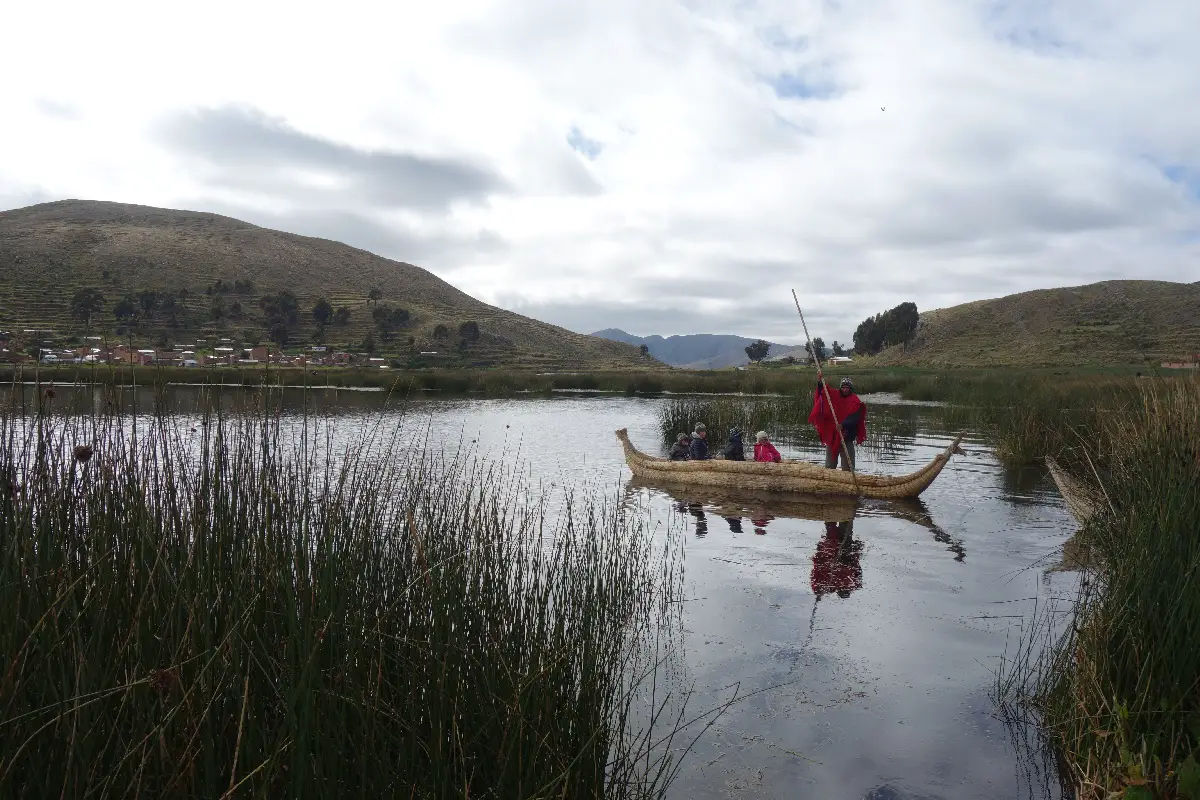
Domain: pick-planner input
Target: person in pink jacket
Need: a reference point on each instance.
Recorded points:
(764, 450)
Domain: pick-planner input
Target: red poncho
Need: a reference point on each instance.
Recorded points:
(765, 451)
(842, 407)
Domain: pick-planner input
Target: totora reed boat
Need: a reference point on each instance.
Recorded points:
(788, 476)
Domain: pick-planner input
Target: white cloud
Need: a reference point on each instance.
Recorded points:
(632, 160)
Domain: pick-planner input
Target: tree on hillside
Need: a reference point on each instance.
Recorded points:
(441, 332)
(469, 331)
(126, 310)
(374, 296)
(322, 312)
(243, 287)
(388, 320)
(279, 333)
(758, 351)
(897, 326)
(217, 309)
(281, 308)
(85, 304)
(838, 350)
(148, 300)
(342, 317)
(644, 349)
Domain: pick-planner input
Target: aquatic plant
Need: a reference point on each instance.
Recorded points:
(234, 608)
(1119, 690)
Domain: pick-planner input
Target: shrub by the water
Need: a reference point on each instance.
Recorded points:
(232, 609)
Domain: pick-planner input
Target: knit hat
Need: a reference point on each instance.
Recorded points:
(735, 433)
(761, 435)
(681, 437)
(849, 384)
(700, 427)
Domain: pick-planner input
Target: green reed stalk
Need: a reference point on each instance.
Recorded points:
(237, 611)
(1119, 690)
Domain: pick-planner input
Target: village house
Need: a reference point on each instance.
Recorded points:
(1187, 362)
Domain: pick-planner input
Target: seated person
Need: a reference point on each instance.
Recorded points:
(734, 450)
(680, 451)
(699, 447)
(764, 450)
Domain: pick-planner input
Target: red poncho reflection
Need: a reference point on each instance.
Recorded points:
(836, 567)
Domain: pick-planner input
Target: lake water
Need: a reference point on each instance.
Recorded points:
(864, 640)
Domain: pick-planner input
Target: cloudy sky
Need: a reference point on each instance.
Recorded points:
(664, 166)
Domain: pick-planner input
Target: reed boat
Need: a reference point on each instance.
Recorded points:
(787, 476)
(1082, 501)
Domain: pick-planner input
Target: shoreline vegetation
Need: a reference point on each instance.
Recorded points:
(1115, 682)
(915, 383)
(235, 609)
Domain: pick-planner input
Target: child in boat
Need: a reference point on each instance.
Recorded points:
(764, 450)
(734, 450)
(680, 451)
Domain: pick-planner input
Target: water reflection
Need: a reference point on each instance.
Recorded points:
(835, 565)
(761, 508)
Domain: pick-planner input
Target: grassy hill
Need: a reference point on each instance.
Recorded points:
(1113, 322)
(49, 251)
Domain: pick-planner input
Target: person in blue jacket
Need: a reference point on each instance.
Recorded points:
(700, 443)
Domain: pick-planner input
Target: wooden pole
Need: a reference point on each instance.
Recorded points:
(828, 399)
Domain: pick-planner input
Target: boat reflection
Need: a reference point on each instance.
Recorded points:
(762, 508)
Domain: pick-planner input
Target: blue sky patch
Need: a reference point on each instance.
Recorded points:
(792, 85)
(588, 148)
(1185, 176)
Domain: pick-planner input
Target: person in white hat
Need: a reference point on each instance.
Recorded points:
(764, 450)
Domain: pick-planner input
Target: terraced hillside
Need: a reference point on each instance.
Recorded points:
(1113, 322)
(48, 252)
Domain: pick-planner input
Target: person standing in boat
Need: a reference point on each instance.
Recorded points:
(699, 447)
(849, 413)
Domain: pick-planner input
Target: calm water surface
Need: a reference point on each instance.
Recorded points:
(866, 638)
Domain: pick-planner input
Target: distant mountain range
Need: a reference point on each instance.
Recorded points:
(699, 350)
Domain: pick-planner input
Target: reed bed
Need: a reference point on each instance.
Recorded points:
(1119, 687)
(235, 611)
(1023, 415)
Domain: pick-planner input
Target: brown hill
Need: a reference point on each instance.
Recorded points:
(1113, 322)
(49, 251)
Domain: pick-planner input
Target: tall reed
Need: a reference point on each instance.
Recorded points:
(241, 611)
(1120, 691)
